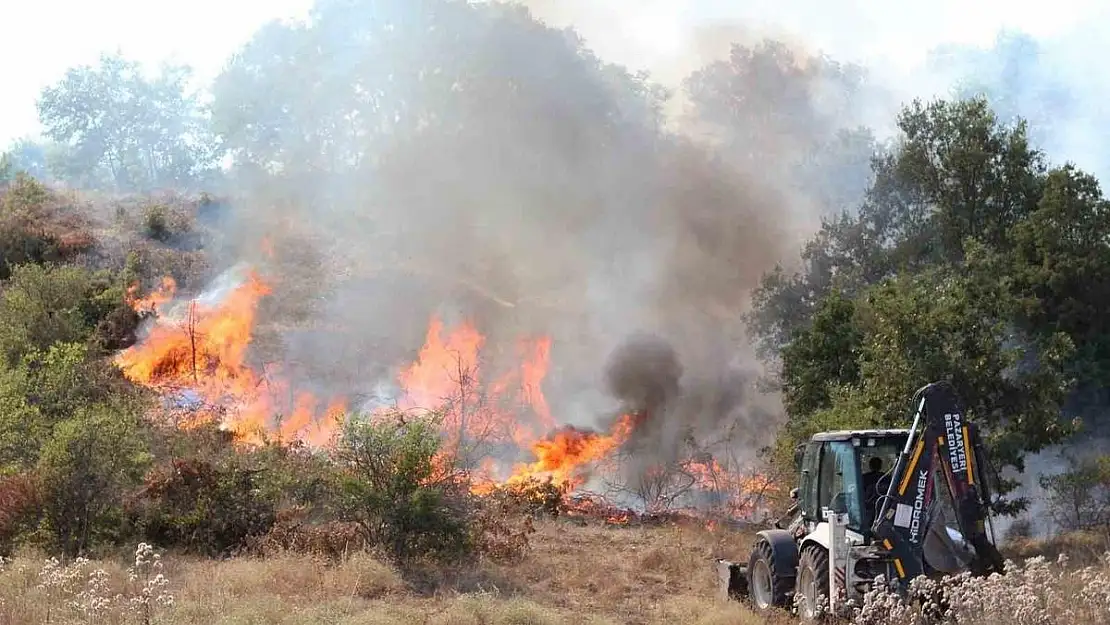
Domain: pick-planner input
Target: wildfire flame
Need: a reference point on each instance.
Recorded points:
(200, 347)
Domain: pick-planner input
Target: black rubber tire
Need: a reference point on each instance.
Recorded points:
(780, 586)
(812, 564)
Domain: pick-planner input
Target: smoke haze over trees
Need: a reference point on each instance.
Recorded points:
(386, 161)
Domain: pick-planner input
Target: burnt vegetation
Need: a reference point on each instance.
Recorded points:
(955, 251)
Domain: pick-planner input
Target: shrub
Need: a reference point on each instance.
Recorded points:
(84, 469)
(156, 223)
(1079, 498)
(19, 498)
(292, 532)
(391, 487)
(500, 534)
(201, 506)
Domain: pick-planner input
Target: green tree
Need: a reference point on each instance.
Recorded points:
(822, 356)
(956, 172)
(860, 362)
(1062, 269)
(141, 131)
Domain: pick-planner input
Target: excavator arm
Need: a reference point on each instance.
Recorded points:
(939, 474)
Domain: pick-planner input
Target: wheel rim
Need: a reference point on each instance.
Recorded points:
(807, 590)
(761, 585)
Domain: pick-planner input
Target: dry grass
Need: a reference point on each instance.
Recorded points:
(574, 574)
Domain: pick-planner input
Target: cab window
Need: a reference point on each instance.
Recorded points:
(839, 487)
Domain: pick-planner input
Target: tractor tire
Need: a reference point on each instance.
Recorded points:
(768, 588)
(812, 593)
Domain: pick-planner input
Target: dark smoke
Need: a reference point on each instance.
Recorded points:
(680, 415)
(643, 374)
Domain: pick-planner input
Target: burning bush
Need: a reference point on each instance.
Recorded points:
(530, 496)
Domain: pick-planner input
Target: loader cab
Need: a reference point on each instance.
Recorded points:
(847, 471)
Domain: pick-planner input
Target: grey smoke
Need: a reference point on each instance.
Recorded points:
(484, 168)
(520, 186)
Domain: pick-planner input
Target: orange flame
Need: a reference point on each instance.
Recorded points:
(203, 349)
(154, 302)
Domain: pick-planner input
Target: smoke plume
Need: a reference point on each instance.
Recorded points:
(470, 163)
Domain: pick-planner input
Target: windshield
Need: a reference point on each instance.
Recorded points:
(854, 477)
(877, 458)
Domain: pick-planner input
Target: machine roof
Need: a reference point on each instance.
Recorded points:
(844, 435)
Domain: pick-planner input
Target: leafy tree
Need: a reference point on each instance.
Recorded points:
(965, 262)
(1062, 269)
(824, 355)
(386, 72)
(860, 361)
(789, 116)
(144, 132)
(956, 172)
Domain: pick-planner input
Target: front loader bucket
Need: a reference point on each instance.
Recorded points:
(732, 580)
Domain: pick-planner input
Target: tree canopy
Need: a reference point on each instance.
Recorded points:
(970, 260)
(122, 128)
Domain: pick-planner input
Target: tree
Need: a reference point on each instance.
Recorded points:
(142, 132)
(1062, 269)
(789, 116)
(860, 362)
(1079, 497)
(955, 172)
(822, 356)
(963, 263)
(28, 157)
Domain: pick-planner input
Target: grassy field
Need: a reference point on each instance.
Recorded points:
(574, 574)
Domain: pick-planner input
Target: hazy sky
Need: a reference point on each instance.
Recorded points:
(39, 40)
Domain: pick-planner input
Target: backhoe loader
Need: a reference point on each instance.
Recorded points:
(875, 504)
